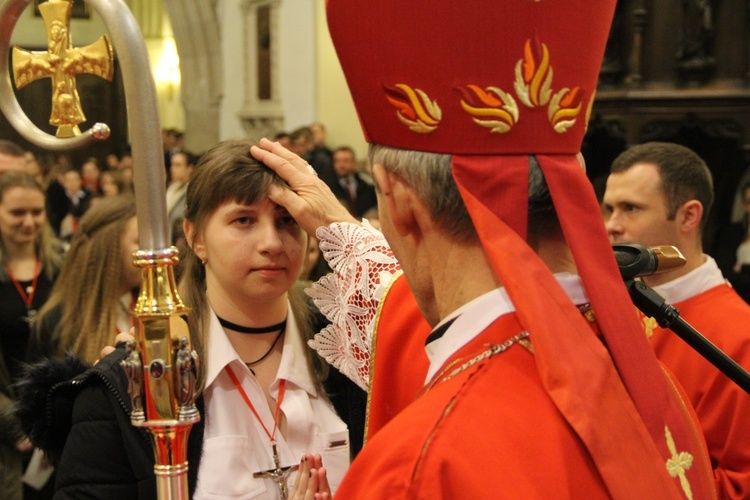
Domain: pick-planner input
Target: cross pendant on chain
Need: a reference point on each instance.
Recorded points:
(30, 316)
(279, 474)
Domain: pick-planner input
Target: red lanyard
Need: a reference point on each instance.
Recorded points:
(282, 386)
(27, 298)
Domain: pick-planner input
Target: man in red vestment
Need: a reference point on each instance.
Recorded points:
(468, 106)
(660, 194)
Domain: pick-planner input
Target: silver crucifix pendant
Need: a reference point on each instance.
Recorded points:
(279, 474)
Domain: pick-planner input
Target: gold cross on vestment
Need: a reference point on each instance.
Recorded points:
(62, 63)
(649, 325)
(279, 474)
(679, 464)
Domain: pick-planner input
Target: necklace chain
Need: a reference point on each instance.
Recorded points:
(26, 295)
(275, 341)
(447, 373)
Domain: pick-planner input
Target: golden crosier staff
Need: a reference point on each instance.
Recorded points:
(161, 366)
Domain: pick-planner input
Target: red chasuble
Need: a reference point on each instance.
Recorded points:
(508, 394)
(391, 390)
(512, 439)
(723, 408)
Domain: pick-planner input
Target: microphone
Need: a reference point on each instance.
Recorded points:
(637, 260)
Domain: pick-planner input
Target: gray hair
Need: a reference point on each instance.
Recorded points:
(429, 174)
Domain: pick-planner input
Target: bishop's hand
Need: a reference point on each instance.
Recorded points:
(309, 200)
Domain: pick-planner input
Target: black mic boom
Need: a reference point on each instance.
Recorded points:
(637, 260)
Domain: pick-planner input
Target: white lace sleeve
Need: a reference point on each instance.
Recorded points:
(363, 265)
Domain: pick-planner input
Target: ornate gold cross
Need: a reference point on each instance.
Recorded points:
(62, 63)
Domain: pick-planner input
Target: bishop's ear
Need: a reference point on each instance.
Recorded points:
(397, 199)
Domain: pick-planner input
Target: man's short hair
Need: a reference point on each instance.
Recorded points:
(429, 174)
(10, 148)
(190, 158)
(684, 175)
(301, 132)
(346, 149)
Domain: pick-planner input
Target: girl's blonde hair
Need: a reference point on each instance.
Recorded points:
(88, 289)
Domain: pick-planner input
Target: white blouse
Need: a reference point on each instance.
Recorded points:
(235, 444)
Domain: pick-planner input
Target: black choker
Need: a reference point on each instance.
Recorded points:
(250, 330)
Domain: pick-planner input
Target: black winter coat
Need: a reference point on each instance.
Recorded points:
(73, 412)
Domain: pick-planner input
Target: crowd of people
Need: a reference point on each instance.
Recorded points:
(475, 322)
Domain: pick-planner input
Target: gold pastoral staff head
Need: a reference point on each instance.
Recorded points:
(62, 62)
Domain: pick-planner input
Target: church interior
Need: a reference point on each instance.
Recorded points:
(676, 70)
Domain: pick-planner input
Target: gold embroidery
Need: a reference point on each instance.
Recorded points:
(564, 108)
(589, 108)
(679, 463)
(498, 109)
(527, 344)
(649, 324)
(415, 109)
(449, 371)
(534, 75)
(371, 370)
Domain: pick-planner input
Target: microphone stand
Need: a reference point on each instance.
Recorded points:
(654, 305)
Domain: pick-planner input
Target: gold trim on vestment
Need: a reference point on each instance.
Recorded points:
(371, 369)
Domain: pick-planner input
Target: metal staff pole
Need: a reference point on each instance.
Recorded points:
(161, 367)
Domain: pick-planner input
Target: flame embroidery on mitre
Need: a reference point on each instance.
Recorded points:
(534, 75)
(415, 109)
(496, 110)
(564, 108)
(589, 109)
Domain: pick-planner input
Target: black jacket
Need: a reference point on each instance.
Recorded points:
(80, 417)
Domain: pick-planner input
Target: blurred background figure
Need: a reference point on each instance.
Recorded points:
(90, 176)
(319, 138)
(180, 171)
(11, 156)
(353, 188)
(126, 167)
(302, 145)
(733, 249)
(283, 138)
(95, 293)
(78, 201)
(111, 161)
(113, 183)
(35, 168)
(31, 258)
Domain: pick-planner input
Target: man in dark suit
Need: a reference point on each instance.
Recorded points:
(353, 188)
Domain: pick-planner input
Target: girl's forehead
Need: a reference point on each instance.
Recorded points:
(262, 204)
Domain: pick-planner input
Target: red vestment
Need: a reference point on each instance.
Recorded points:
(398, 363)
(490, 425)
(491, 431)
(722, 407)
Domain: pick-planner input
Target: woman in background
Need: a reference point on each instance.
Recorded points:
(31, 258)
(92, 299)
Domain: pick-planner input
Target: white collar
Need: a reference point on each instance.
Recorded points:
(481, 312)
(292, 368)
(702, 278)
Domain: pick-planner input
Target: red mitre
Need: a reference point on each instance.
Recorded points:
(491, 82)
